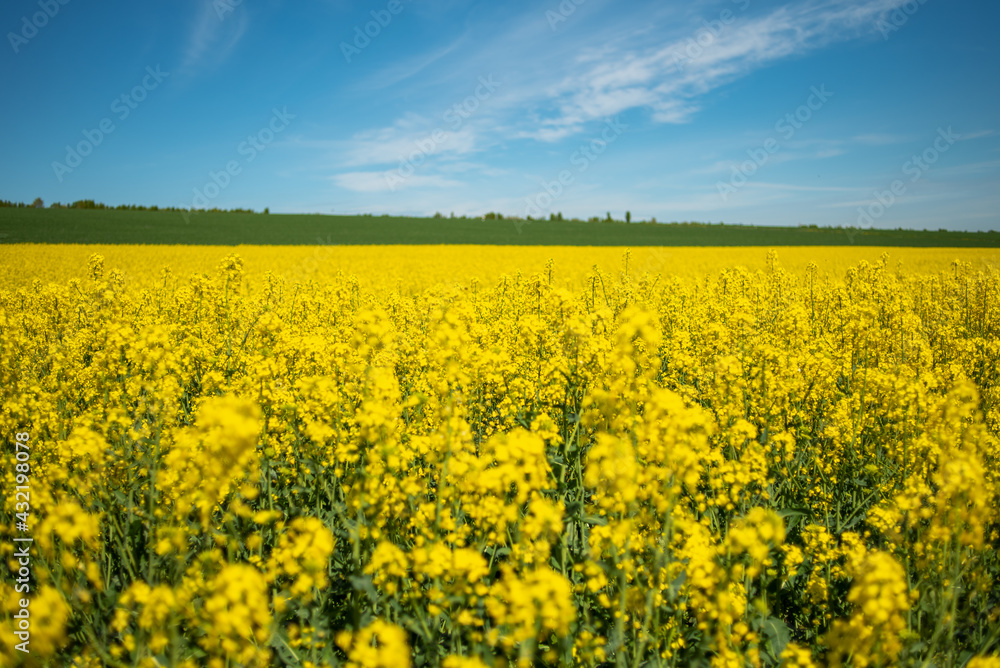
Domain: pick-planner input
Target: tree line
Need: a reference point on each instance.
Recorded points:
(91, 204)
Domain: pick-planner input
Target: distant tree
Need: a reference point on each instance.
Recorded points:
(38, 203)
(559, 216)
(653, 220)
(628, 216)
(609, 217)
(267, 210)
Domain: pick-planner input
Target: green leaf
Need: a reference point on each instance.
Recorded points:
(793, 512)
(364, 585)
(777, 635)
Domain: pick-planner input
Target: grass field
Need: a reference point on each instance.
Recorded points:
(162, 227)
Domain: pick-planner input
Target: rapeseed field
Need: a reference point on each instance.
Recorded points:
(494, 456)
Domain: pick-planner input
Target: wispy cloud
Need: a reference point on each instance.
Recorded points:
(908, 199)
(212, 36)
(971, 168)
(880, 139)
(605, 66)
(411, 67)
(370, 182)
(791, 186)
(977, 135)
(793, 153)
(829, 153)
(669, 80)
(390, 145)
(565, 85)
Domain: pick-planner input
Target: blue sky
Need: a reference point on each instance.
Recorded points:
(878, 113)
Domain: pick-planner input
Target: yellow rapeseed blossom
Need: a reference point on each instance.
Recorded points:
(236, 617)
(881, 599)
(465, 456)
(302, 554)
(378, 645)
(984, 662)
(206, 460)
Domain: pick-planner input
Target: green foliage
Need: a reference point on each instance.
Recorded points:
(130, 224)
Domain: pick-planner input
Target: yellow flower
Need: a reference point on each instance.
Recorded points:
(303, 553)
(378, 645)
(881, 598)
(235, 618)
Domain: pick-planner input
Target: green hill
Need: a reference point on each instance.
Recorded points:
(84, 226)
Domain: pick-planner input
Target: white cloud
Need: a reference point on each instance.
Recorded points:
(369, 182)
(984, 167)
(565, 84)
(556, 89)
(976, 135)
(213, 36)
(790, 186)
(669, 79)
(410, 67)
(395, 144)
(880, 139)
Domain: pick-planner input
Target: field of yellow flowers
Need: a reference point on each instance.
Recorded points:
(469, 457)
